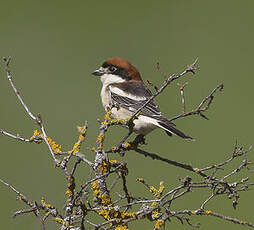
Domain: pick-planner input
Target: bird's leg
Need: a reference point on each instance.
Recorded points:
(119, 146)
(139, 139)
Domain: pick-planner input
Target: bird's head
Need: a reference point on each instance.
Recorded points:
(117, 70)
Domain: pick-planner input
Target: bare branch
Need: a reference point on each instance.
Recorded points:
(181, 88)
(18, 137)
(170, 79)
(9, 77)
(201, 108)
(118, 208)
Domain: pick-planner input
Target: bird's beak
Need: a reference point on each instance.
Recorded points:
(98, 72)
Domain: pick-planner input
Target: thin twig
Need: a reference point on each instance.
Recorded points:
(181, 88)
(200, 109)
(170, 79)
(21, 195)
(9, 77)
(171, 162)
(17, 136)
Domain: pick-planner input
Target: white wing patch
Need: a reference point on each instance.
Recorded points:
(120, 92)
(150, 110)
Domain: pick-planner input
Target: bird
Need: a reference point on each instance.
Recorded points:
(123, 87)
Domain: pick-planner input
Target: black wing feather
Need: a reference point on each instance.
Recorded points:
(150, 110)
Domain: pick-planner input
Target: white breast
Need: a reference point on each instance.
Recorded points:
(106, 80)
(105, 97)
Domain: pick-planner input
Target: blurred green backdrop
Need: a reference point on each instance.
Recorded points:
(55, 45)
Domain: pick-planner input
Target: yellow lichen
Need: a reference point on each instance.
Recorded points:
(155, 214)
(68, 192)
(127, 145)
(106, 202)
(36, 136)
(63, 222)
(122, 227)
(47, 214)
(208, 212)
(105, 213)
(45, 204)
(105, 199)
(96, 188)
(81, 130)
(36, 133)
(76, 147)
(96, 192)
(100, 139)
(127, 215)
(157, 192)
(54, 146)
(197, 170)
(113, 161)
(107, 116)
(95, 185)
(154, 204)
(116, 121)
(161, 188)
(59, 220)
(152, 189)
(103, 167)
(159, 223)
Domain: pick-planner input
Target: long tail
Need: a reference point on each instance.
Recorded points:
(171, 129)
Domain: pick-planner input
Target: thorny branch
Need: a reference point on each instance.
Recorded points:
(95, 195)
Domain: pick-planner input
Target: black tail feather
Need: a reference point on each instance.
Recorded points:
(170, 129)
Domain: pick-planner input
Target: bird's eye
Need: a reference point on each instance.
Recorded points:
(112, 69)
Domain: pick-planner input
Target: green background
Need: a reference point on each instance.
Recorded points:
(55, 45)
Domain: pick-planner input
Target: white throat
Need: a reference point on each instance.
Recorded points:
(108, 79)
